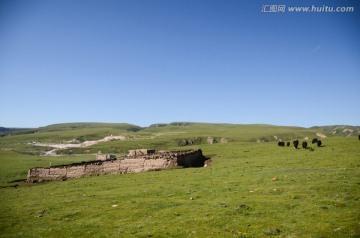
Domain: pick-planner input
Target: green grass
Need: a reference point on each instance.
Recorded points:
(61, 133)
(14, 166)
(165, 137)
(316, 193)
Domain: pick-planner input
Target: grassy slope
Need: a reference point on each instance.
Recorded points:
(342, 130)
(69, 131)
(63, 133)
(316, 194)
(166, 137)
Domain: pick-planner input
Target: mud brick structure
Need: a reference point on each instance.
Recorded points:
(140, 152)
(100, 156)
(122, 165)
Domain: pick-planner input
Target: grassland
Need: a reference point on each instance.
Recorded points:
(315, 193)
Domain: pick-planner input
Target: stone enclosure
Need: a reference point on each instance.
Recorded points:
(145, 160)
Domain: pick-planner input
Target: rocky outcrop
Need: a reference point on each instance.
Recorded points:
(122, 165)
(321, 135)
(189, 141)
(211, 140)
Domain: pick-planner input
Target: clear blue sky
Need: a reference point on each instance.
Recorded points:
(159, 61)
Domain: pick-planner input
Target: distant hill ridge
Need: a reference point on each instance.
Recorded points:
(11, 131)
(69, 127)
(85, 125)
(339, 130)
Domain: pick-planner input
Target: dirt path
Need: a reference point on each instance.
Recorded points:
(72, 145)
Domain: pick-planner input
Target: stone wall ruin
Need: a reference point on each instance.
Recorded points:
(121, 165)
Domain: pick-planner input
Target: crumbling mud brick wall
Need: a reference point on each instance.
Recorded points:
(100, 156)
(140, 152)
(122, 165)
(194, 159)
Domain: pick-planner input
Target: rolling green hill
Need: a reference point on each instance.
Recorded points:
(14, 131)
(70, 131)
(340, 130)
(157, 136)
(76, 128)
(232, 132)
(88, 125)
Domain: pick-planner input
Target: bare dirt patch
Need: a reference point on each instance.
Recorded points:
(75, 145)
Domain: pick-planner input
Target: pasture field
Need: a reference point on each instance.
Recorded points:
(249, 190)
(162, 137)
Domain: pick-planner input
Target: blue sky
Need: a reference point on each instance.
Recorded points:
(159, 61)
